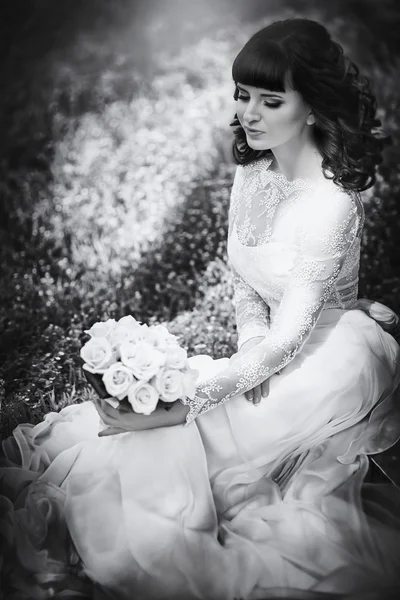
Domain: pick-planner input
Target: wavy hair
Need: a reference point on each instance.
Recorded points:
(346, 129)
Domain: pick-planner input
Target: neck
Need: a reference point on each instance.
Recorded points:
(298, 159)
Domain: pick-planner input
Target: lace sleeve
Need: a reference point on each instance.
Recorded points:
(252, 312)
(324, 235)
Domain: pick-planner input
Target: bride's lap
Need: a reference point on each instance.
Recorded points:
(333, 382)
(345, 368)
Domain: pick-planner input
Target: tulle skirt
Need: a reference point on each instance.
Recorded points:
(247, 502)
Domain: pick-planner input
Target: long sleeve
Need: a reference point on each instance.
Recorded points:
(252, 312)
(324, 235)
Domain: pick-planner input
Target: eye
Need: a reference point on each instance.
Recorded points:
(270, 104)
(275, 105)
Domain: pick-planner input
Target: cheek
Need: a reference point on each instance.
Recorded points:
(240, 112)
(283, 118)
(297, 116)
(285, 123)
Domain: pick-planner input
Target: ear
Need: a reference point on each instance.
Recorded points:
(310, 119)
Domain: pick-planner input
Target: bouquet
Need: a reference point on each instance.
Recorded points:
(126, 361)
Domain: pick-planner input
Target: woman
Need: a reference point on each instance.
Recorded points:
(220, 498)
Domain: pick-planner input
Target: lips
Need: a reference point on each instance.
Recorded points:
(254, 131)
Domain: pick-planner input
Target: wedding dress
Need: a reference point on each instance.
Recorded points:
(242, 501)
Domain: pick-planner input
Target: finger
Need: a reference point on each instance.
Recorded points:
(99, 407)
(249, 395)
(96, 402)
(107, 409)
(265, 388)
(100, 404)
(111, 431)
(257, 395)
(109, 421)
(112, 418)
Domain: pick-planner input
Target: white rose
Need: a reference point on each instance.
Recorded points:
(160, 337)
(172, 384)
(129, 322)
(142, 358)
(117, 380)
(127, 329)
(102, 329)
(98, 355)
(143, 397)
(176, 357)
(127, 352)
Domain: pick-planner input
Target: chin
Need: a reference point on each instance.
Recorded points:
(257, 145)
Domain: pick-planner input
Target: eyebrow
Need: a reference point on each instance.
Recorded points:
(246, 92)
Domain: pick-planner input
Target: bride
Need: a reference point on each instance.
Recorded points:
(256, 487)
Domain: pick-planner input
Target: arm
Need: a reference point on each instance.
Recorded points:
(252, 312)
(324, 236)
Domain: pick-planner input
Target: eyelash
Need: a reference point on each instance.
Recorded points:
(265, 103)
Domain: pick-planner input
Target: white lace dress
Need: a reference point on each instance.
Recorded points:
(242, 501)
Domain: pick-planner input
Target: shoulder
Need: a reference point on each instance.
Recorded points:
(328, 219)
(327, 200)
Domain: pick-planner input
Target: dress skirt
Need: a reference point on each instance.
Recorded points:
(247, 502)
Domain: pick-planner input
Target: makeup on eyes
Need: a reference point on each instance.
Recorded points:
(271, 105)
(263, 94)
(274, 105)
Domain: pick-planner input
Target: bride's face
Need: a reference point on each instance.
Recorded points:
(275, 117)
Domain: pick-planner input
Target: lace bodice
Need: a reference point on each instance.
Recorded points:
(294, 250)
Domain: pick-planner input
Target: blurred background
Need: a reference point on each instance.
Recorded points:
(116, 168)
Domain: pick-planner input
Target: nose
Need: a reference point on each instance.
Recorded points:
(251, 114)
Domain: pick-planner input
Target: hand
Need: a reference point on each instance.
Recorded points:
(261, 390)
(120, 419)
(123, 419)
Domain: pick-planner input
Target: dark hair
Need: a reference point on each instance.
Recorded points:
(339, 97)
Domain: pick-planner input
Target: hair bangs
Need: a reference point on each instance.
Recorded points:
(261, 64)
